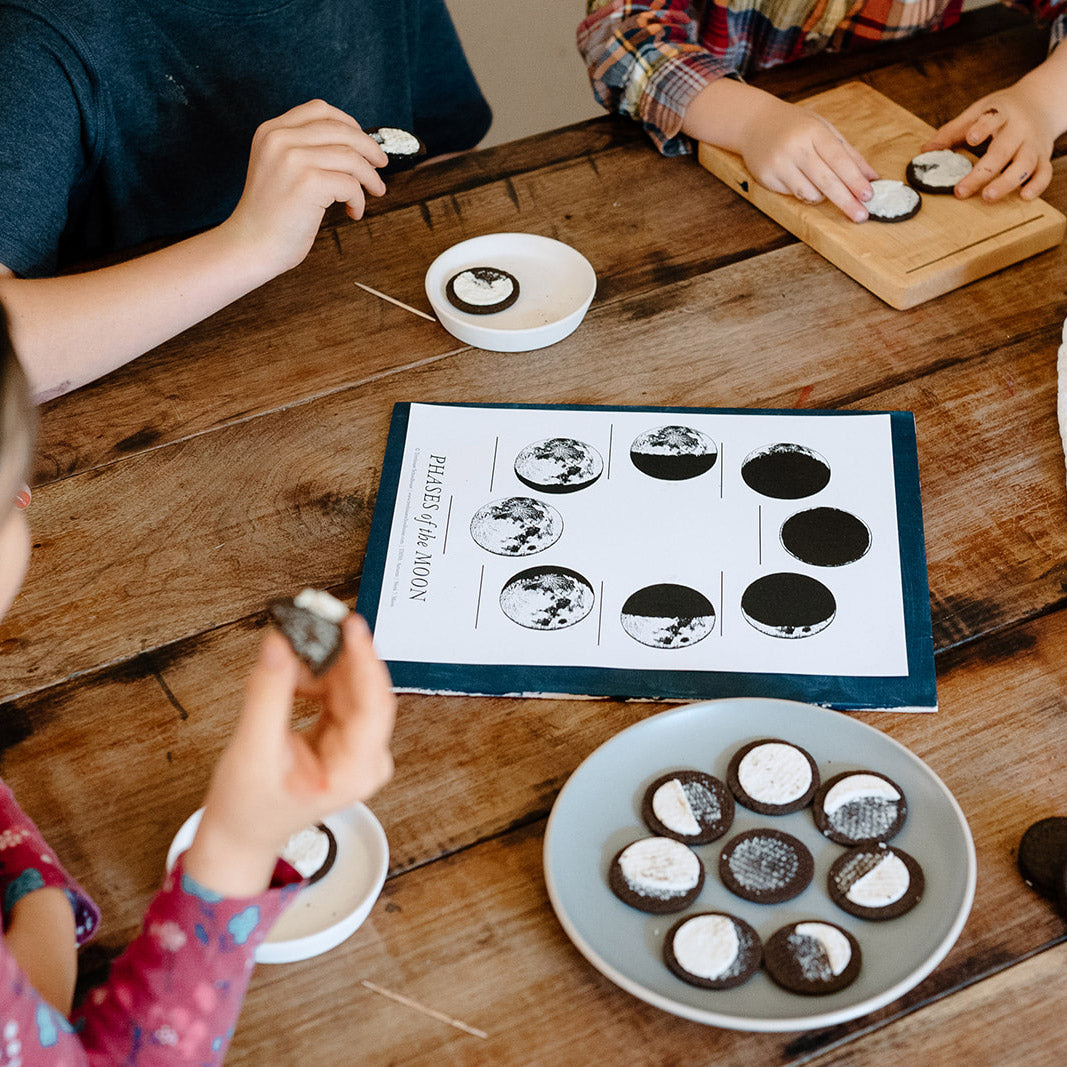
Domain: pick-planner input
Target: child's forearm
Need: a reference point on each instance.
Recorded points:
(40, 936)
(73, 329)
(1047, 84)
(723, 111)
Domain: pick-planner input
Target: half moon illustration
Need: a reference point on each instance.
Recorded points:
(668, 616)
(785, 471)
(547, 598)
(558, 465)
(788, 605)
(517, 526)
(825, 537)
(673, 453)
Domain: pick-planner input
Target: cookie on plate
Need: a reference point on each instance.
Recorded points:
(938, 171)
(712, 950)
(312, 622)
(766, 866)
(312, 852)
(772, 777)
(893, 201)
(1043, 854)
(859, 807)
(656, 874)
(690, 806)
(876, 882)
(482, 290)
(813, 957)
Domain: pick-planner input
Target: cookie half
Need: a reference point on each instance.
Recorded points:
(876, 882)
(813, 957)
(766, 866)
(312, 852)
(1043, 854)
(859, 807)
(893, 201)
(404, 149)
(656, 874)
(772, 777)
(712, 950)
(937, 172)
(312, 623)
(482, 290)
(690, 806)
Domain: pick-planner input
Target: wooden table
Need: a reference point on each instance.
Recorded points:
(175, 497)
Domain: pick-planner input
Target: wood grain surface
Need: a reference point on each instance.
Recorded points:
(241, 460)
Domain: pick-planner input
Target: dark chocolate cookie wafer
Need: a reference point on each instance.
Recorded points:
(858, 807)
(812, 957)
(772, 777)
(893, 201)
(690, 806)
(656, 874)
(312, 622)
(1043, 854)
(875, 882)
(482, 290)
(937, 172)
(766, 866)
(712, 950)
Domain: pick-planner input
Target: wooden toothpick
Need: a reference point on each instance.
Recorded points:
(399, 303)
(438, 1015)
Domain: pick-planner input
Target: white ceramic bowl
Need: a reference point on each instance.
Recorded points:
(556, 287)
(326, 913)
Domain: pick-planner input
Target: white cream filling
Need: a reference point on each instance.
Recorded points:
(322, 604)
(774, 773)
(396, 142)
(481, 292)
(659, 867)
(858, 787)
(834, 943)
(707, 945)
(307, 850)
(942, 168)
(882, 885)
(671, 806)
(891, 198)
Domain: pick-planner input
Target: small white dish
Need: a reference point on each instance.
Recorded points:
(556, 287)
(326, 913)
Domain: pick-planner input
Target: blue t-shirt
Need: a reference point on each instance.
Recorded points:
(123, 121)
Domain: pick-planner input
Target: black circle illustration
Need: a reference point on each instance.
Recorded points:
(673, 453)
(825, 537)
(788, 605)
(558, 465)
(668, 616)
(547, 598)
(517, 526)
(785, 471)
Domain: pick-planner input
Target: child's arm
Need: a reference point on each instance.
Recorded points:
(1023, 121)
(40, 935)
(70, 330)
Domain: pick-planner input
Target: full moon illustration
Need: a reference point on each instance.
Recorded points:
(558, 465)
(668, 616)
(517, 526)
(785, 471)
(547, 598)
(788, 605)
(825, 537)
(673, 453)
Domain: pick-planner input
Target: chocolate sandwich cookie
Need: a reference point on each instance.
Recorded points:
(403, 149)
(312, 622)
(482, 290)
(312, 852)
(712, 950)
(656, 874)
(766, 866)
(1043, 855)
(812, 957)
(859, 807)
(690, 806)
(893, 201)
(876, 882)
(937, 172)
(772, 777)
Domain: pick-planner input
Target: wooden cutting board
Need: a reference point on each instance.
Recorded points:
(947, 244)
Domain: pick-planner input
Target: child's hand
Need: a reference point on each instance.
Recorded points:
(1018, 157)
(272, 782)
(791, 150)
(300, 164)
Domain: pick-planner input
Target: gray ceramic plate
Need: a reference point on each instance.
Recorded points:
(599, 811)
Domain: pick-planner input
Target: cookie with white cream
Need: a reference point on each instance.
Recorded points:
(482, 290)
(402, 148)
(656, 874)
(938, 171)
(772, 777)
(876, 882)
(712, 950)
(312, 623)
(690, 806)
(813, 957)
(311, 852)
(859, 807)
(893, 201)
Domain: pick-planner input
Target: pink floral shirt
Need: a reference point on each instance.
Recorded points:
(172, 997)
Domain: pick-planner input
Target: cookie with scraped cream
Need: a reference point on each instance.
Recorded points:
(812, 957)
(712, 950)
(876, 881)
(690, 806)
(656, 874)
(893, 201)
(859, 807)
(312, 623)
